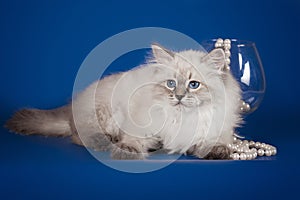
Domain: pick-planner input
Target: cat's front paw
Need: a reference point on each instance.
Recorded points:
(220, 152)
(151, 144)
(157, 145)
(122, 151)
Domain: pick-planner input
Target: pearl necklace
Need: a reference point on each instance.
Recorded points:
(242, 149)
(249, 150)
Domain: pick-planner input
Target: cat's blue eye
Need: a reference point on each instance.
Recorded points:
(194, 84)
(171, 83)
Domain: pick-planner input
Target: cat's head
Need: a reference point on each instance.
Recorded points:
(191, 78)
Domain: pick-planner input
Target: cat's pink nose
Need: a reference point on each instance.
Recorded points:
(179, 97)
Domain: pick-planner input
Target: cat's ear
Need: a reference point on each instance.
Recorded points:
(215, 58)
(161, 54)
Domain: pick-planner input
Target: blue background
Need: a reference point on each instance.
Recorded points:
(43, 44)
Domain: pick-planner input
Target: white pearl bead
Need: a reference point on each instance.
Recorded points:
(246, 150)
(268, 152)
(243, 156)
(253, 149)
(227, 61)
(227, 41)
(249, 156)
(245, 142)
(227, 68)
(274, 151)
(257, 144)
(247, 107)
(263, 145)
(268, 147)
(260, 152)
(218, 45)
(227, 46)
(251, 143)
(246, 145)
(239, 150)
(254, 155)
(220, 40)
(235, 156)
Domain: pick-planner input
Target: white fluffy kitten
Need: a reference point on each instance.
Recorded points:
(182, 102)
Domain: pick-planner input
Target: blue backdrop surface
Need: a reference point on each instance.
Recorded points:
(43, 44)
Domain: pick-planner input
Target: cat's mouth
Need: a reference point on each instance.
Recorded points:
(185, 104)
(180, 104)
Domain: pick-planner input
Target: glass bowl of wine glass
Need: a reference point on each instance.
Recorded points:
(247, 68)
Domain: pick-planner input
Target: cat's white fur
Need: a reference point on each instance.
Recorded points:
(138, 111)
(134, 103)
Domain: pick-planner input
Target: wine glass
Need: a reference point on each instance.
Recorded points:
(246, 67)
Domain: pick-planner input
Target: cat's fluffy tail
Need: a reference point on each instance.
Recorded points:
(54, 122)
